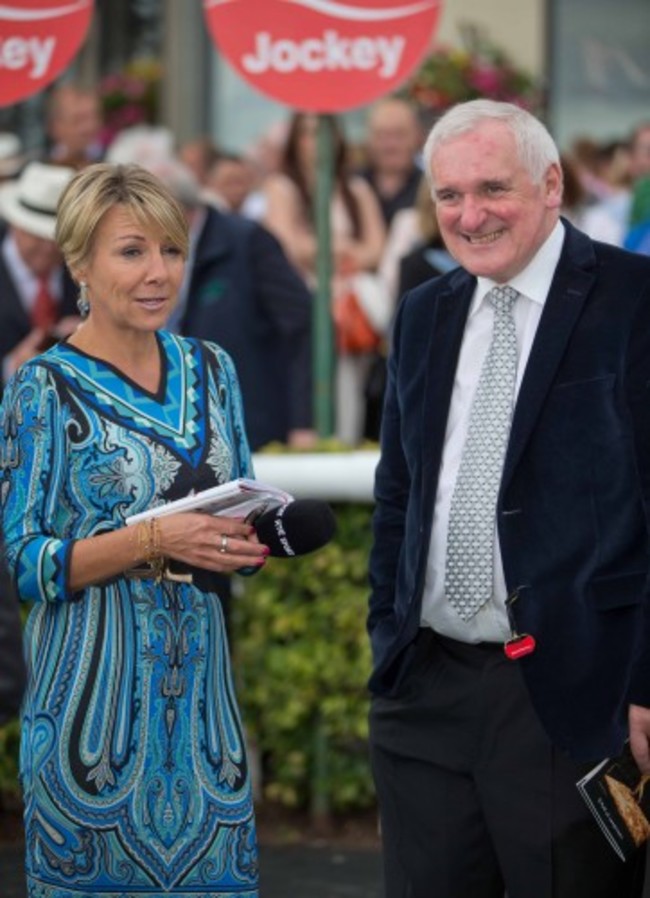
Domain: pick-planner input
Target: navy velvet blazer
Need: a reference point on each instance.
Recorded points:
(573, 507)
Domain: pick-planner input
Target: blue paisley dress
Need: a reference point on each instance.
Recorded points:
(132, 759)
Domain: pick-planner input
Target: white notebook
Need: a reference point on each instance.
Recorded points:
(241, 498)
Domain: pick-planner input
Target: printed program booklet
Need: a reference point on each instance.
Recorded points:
(618, 795)
(242, 498)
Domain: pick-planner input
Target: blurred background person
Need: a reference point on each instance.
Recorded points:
(575, 200)
(38, 300)
(12, 157)
(637, 238)
(394, 139)
(199, 155)
(414, 230)
(603, 168)
(241, 291)
(357, 242)
(74, 125)
(428, 257)
(265, 156)
(609, 219)
(141, 145)
(232, 178)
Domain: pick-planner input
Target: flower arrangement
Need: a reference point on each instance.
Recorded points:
(450, 75)
(130, 97)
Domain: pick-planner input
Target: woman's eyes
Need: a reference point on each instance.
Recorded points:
(131, 252)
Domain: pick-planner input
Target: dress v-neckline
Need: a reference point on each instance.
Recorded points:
(158, 395)
(174, 412)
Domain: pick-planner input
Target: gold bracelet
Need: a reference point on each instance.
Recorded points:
(149, 540)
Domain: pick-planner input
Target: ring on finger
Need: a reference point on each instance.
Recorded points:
(224, 544)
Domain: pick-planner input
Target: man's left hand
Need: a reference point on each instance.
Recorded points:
(639, 722)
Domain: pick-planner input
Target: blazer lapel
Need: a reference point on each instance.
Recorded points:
(450, 316)
(573, 280)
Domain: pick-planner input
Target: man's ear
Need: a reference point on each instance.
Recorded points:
(554, 186)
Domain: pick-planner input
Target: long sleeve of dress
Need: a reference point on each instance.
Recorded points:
(34, 456)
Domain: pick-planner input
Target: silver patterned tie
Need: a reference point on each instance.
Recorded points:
(470, 536)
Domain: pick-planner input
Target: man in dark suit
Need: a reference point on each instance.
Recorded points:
(244, 294)
(394, 139)
(509, 606)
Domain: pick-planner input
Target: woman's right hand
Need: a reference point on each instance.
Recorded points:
(214, 543)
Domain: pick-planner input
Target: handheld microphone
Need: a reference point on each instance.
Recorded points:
(302, 526)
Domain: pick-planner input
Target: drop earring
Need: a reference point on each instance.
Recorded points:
(82, 300)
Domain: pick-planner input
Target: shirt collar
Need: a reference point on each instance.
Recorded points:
(534, 282)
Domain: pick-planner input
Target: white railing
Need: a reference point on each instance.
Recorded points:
(332, 476)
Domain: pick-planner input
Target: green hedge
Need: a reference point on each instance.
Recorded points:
(302, 660)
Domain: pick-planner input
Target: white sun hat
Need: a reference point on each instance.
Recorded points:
(30, 201)
(12, 157)
(141, 145)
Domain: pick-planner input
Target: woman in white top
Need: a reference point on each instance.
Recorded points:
(357, 243)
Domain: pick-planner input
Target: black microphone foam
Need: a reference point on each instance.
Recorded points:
(300, 527)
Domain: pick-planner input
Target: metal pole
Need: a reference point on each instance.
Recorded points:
(322, 339)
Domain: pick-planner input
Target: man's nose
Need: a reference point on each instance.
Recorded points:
(472, 212)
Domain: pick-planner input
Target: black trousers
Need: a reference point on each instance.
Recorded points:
(474, 800)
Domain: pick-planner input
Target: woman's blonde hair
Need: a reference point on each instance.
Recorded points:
(99, 188)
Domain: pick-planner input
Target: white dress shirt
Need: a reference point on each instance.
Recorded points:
(490, 624)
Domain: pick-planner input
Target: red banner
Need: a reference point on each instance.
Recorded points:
(323, 55)
(38, 39)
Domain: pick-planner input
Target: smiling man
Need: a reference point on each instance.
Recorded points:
(510, 564)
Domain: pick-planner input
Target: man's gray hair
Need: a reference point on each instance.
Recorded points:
(537, 149)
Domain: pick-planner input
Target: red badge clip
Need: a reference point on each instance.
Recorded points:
(519, 646)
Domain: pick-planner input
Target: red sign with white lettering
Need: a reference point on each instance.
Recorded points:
(38, 39)
(323, 55)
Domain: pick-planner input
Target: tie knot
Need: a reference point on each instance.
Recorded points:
(503, 298)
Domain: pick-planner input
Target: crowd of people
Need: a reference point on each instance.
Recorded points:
(155, 325)
(252, 233)
(252, 266)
